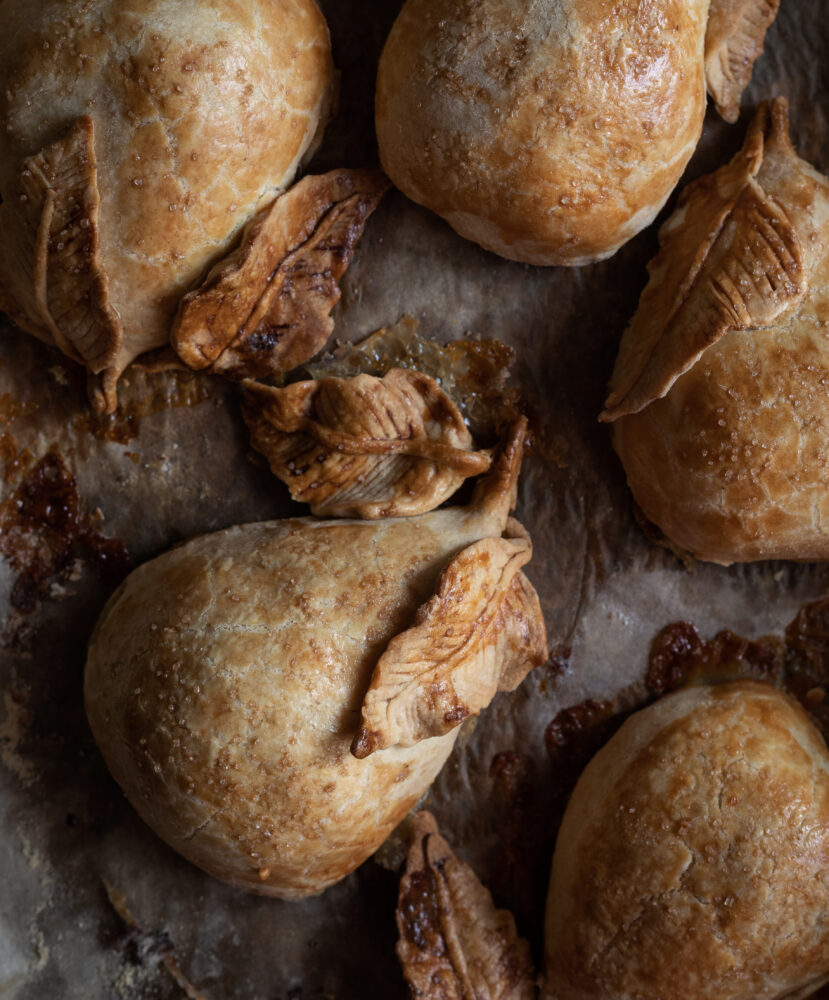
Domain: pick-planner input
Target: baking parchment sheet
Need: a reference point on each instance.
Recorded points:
(606, 591)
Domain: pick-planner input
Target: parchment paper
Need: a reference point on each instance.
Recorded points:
(606, 591)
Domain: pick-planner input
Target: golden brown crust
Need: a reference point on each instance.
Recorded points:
(264, 308)
(729, 259)
(364, 446)
(731, 462)
(692, 859)
(733, 42)
(454, 944)
(200, 117)
(225, 678)
(497, 117)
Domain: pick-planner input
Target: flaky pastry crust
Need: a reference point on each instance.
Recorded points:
(364, 446)
(481, 632)
(718, 397)
(733, 41)
(265, 308)
(225, 681)
(693, 858)
(553, 132)
(454, 944)
(136, 140)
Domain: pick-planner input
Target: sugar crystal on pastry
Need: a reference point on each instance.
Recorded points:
(552, 132)
(274, 698)
(693, 858)
(136, 142)
(718, 398)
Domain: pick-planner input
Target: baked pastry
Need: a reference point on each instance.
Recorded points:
(265, 307)
(553, 132)
(233, 683)
(734, 39)
(693, 858)
(136, 141)
(364, 446)
(454, 944)
(718, 399)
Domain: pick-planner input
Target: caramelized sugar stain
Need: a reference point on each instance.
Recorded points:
(573, 737)
(531, 802)
(14, 458)
(680, 656)
(420, 914)
(512, 774)
(46, 534)
(473, 373)
(797, 663)
(806, 670)
(141, 394)
(524, 855)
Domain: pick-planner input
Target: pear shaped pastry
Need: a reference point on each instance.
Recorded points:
(693, 858)
(552, 132)
(136, 143)
(718, 398)
(364, 446)
(226, 680)
(454, 944)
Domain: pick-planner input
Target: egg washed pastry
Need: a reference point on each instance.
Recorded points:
(718, 399)
(454, 944)
(273, 699)
(137, 140)
(364, 446)
(693, 858)
(552, 132)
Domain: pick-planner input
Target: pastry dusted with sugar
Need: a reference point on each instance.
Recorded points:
(552, 132)
(693, 858)
(274, 698)
(137, 141)
(718, 400)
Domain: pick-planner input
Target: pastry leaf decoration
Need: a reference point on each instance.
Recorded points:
(454, 944)
(729, 259)
(733, 42)
(364, 446)
(58, 269)
(264, 308)
(482, 632)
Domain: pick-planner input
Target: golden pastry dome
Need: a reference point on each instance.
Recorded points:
(136, 139)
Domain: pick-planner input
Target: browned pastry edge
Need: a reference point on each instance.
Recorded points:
(453, 943)
(481, 632)
(733, 42)
(730, 258)
(264, 308)
(364, 446)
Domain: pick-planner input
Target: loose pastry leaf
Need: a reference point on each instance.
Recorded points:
(61, 252)
(481, 633)
(729, 259)
(265, 307)
(733, 42)
(365, 446)
(454, 944)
